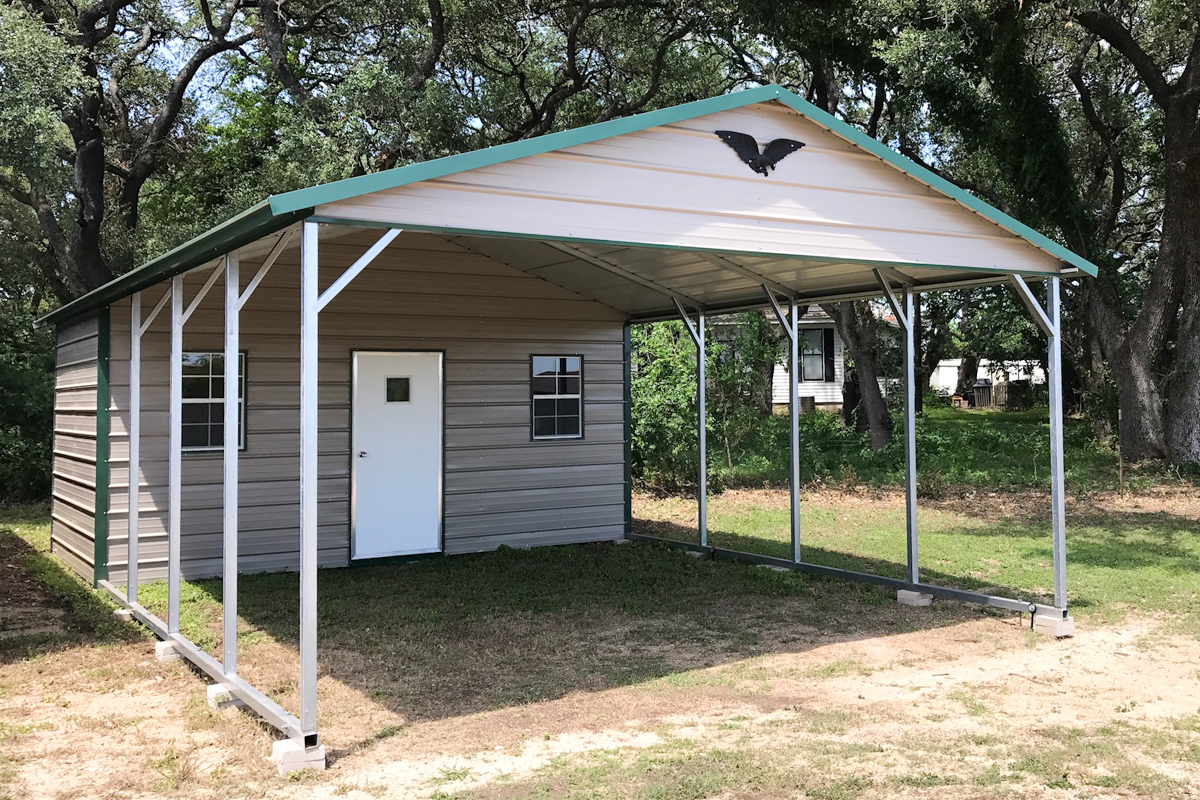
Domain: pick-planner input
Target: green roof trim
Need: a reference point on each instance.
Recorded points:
(249, 226)
(279, 211)
(935, 181)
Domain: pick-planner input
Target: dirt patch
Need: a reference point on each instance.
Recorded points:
(26, 606)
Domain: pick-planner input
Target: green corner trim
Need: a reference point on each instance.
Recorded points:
(103, 425)
(279, 211)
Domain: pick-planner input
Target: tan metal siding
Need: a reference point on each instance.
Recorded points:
(422, 293)
(73, 492)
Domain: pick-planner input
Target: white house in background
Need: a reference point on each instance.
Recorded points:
(822, 368)
(945, 377)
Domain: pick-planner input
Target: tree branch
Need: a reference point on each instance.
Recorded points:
(969, 186)
(1108, 28)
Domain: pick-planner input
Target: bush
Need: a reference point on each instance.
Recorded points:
(26, 415)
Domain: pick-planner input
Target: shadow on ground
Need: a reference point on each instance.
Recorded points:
(441, 638)
(44, 606)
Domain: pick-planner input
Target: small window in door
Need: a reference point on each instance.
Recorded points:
(556, 389)
(398, 390)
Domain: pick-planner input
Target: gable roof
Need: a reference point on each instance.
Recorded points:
(279, 211)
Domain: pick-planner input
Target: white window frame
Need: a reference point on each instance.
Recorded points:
(220, 401)
(535, 396)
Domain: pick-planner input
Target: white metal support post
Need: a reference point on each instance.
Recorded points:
(309, 314)
(137, 327)
(312, 301)
(1057, 468)
(175, 455)
(696, 329)
(1049, 320)
(229, 575)
(904, 315)
(910, 435)
(791, 326)
(135, 442)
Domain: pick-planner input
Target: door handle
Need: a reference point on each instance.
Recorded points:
(362, 453)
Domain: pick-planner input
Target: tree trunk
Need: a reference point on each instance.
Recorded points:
(968, 372)
(1141, 405)
(1181, 250)
(858, 328)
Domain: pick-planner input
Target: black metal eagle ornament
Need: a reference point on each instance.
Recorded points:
(746, 147)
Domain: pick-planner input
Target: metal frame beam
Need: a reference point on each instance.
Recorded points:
(1049, 320)
(237, 687)
(697, 331)
(309, 355)
(726, 263)
(135, 439)
(950, 593)
(267, 263)
(628, 275)
(199, 298)
(903, 308)
(175, 455)
(792, 329)
(229, 577)
(815, 299)
(355, 269)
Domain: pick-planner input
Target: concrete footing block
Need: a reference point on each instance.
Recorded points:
(696, 554)
(166, 652)
(292, 756)
(220, 699)
(622, 540)
(1054, 624)
(908, 597)
(123, 615)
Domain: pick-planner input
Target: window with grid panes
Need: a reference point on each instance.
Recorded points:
(204, 401)
(556, 388)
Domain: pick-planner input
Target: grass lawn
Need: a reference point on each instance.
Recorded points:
(1121, 555)
(637, 671)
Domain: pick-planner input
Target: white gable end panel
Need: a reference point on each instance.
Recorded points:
(681, 186)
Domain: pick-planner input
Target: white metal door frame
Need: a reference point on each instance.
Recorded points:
(441, 492)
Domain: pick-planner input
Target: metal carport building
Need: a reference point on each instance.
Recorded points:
(434, 359)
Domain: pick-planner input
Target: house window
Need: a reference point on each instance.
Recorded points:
(204, 401)
(812, 355)
(556, 389)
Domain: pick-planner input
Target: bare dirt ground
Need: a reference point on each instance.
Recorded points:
(939, 702)
(957, 702)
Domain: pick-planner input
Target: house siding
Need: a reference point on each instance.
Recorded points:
(822, 392)
(73, 487)
(422, 293)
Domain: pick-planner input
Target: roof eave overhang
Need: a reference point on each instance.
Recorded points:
(279, 211)
(246, 228)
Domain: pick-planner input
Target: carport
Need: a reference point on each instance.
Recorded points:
(635, 220)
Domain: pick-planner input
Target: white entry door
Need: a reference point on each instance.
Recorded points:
(397, 454)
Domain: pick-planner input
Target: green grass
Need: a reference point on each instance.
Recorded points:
(1117, 562)
(955, 447)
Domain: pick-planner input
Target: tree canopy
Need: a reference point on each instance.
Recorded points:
(128, 125)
